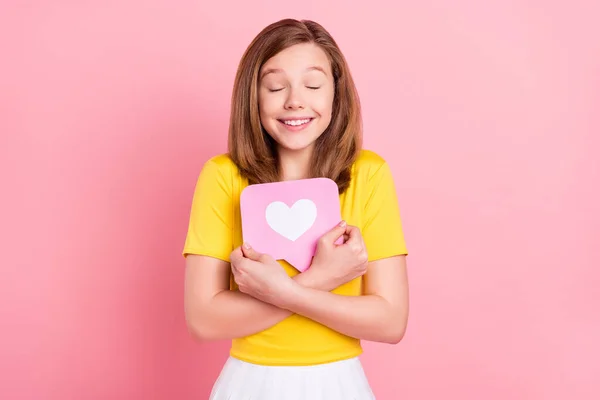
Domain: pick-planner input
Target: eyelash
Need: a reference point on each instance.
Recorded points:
(309, 87)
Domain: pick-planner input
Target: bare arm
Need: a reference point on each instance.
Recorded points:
(379, 315)
(214, 312)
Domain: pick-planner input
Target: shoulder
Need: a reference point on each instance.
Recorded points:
(368, 164)
(220, 164)
(221, 161)
(218, 172)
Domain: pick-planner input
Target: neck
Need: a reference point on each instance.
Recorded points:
(295, 164)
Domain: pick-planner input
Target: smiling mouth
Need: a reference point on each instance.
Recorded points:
(293, 123)
(296, 122)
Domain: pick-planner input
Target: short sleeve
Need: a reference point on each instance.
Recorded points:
(210, 230)
(382, 228)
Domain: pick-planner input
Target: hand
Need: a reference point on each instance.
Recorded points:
(259, 275)
(344, 262)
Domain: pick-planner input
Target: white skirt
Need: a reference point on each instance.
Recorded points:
(340, 380)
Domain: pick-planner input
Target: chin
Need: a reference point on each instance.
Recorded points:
(298, 143)
(295, 147)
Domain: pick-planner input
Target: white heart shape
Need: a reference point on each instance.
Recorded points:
(291, 223)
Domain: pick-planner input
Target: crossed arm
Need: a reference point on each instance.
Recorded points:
(215, 312)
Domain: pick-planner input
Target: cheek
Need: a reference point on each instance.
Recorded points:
(266, 112)
(266, 106)
(263, 110)
(324, 105)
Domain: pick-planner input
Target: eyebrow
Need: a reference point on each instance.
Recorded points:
(278, 70)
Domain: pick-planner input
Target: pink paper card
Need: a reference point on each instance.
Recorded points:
(286, 219)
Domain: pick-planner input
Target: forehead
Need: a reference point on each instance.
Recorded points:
(298, 59)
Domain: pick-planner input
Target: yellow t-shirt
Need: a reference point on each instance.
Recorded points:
(369, 203)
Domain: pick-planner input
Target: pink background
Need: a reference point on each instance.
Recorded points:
(488, 113)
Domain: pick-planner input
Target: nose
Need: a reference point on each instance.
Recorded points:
(294, 100)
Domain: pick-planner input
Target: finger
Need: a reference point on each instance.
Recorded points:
(353, 234)
(250, 253)
(235, 272)
(237, 261)
(335, 233)
(355, 241)
(236, 255)
(352, 230)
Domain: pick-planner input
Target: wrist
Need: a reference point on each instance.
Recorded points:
(309, 278)
(316, 277)
(289, 293)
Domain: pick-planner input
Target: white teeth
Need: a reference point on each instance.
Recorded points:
(297, 122)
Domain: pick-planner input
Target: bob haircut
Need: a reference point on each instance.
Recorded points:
(250, 146)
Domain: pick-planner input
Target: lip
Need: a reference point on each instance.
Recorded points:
(296, 118)
(295, 128)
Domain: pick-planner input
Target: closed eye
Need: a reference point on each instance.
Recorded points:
(275, 90)
(314, 87)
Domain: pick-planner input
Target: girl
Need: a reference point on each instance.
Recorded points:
(295, 114)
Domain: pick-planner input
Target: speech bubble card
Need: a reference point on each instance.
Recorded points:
(286, 219)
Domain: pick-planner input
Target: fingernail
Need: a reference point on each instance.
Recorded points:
(246, 246)
(343, 223)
